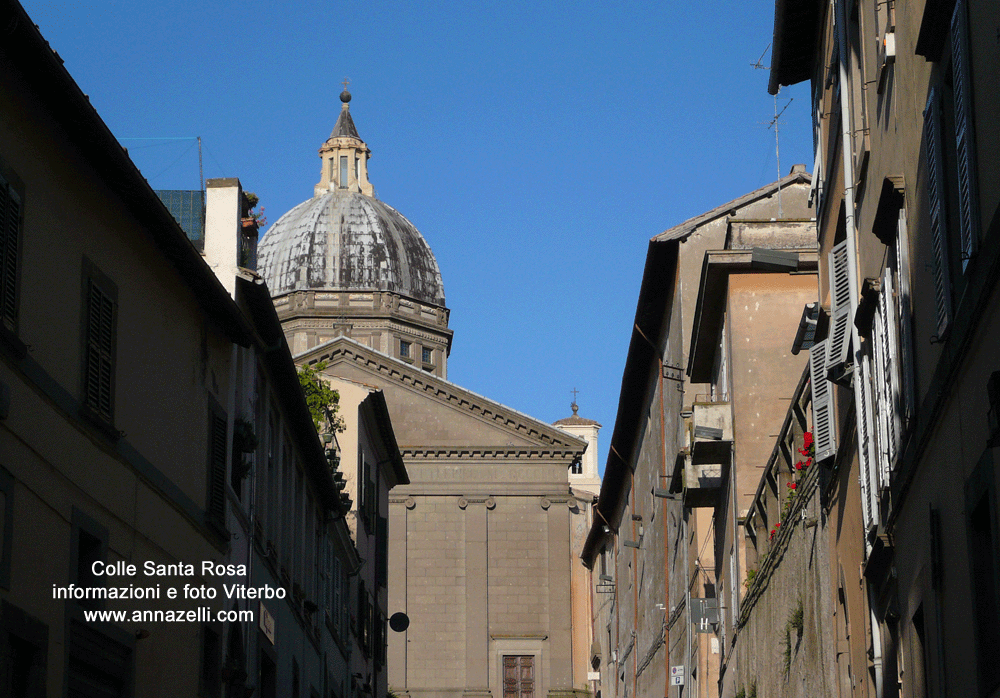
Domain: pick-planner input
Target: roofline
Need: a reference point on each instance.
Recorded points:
(683, 230)
(649, 331)
(716, 267)
(26, 49)
(572, 440)
(792, 42)
(380, 411)
(276, 355)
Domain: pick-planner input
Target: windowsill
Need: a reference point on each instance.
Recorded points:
(10, 342)
(102, 425)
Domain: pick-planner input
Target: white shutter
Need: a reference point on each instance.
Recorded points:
(865, 445)
(822, 402)
(840, 299)
(907, 404)
(935, 195)
(968, 205)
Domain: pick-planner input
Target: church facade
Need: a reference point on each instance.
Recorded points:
(482, 557)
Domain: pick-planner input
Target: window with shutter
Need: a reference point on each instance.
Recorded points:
(936, 212)
(100, 320)
(907, 404)
(822, 402)
(968, 204)
(10, 237)
(866, 444)
(840, 298)
(215, 508)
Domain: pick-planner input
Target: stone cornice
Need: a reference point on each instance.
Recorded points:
(550, 442)
(485, 453)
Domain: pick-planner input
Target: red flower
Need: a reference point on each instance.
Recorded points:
(798, 466)
(807, 439)
(777, 525)
(792, 485)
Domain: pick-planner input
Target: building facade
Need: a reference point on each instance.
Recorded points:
(707, 379)
(153, 433)
(905, 127)
(480, 552)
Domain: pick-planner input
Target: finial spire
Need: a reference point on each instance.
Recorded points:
(574, 406)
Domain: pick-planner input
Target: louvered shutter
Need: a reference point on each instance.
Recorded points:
(10, 223)
(822, 402)
(840, 298)
(216, 508)
(907, 403)
(968, 204)
(886, 383)
(865, 444)
(99, 361)
(935, 195)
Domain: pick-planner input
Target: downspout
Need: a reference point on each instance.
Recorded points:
(687, 597)
(847, 151)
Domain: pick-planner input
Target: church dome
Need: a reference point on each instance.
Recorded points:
(343, 238)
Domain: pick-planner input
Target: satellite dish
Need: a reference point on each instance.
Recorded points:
(399, 622)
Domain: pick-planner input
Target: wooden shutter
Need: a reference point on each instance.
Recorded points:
(822, 402)
(840, 298)
(938, 220)
(968, 204)
(907, 405)
(10, 223)
(866, 443)
(216, 508)
(99, 361)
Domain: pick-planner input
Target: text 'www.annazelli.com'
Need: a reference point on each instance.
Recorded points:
(202, 614)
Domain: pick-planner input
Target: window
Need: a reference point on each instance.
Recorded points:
(427, 354)
(981, 531)
(100, 318)
(518, 676)
(6, 525)
(25, 641)
(576, 468)
(404, 349)
(215, 505)
(343, 172)
(10, 236)
(210, 682)
(88, 544)
(96, 658)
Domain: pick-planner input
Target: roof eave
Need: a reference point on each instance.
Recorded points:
(795, 42)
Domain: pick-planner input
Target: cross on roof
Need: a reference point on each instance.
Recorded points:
(574, 391)
(346, 82)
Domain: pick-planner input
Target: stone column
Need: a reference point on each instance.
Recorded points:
(560, 608)
(396, 657)
(477, 668)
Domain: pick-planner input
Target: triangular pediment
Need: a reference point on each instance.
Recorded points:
(432, 414)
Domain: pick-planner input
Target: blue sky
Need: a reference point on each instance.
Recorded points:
(536, 145)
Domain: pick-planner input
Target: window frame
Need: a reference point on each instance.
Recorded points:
(11, 242)
(91, 407)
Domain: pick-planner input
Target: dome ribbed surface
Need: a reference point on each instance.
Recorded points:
(344, 240)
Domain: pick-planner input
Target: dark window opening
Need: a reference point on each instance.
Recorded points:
(210, 684)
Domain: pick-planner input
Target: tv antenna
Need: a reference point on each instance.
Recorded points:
(775, 122)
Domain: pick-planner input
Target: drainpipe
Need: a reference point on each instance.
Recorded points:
(847, 150)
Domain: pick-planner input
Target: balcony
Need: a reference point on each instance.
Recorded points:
(709, 452)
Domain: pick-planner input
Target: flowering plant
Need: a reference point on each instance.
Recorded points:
(808, 450)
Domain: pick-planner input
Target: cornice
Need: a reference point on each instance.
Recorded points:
(550, 441)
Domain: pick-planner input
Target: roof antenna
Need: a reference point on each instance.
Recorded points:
(775, 123)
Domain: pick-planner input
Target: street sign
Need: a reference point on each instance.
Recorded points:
(266, 622)
(677, 675)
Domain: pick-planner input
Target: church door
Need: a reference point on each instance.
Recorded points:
(518, 677)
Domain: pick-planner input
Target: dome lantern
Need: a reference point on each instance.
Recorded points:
(344, 155)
